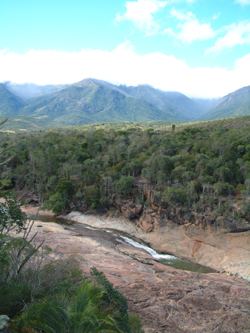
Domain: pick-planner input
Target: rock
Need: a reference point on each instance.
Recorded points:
(198, 219)
(189, 217)
(146, 222)
(168, 300)
(4, 322)
(209, 220)
(128, 213)
(138, 210)
(128, 208)
(159, 268)
(154, 206)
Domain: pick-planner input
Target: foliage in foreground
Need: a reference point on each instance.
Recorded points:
(45, 295)
(79, 314)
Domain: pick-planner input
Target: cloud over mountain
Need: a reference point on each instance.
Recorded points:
(123, 65)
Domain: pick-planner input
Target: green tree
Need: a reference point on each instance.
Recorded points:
(124, 185)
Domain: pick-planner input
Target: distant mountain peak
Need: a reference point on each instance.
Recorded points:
(93, 100)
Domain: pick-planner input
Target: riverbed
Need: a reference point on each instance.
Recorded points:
(118, 237)
(167, 299)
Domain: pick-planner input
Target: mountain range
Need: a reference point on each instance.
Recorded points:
(234, 104)
(32, 107)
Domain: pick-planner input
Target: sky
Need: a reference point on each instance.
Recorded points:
(200, 48)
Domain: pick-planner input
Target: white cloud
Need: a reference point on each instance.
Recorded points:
(190, 28)
(178, 1)
(140, 13)
(123, 66)
(237, 34)
(243, 2)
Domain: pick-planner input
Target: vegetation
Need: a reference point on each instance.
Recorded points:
(197, 166)
(203, 166)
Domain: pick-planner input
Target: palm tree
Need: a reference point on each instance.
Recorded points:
(79, 314)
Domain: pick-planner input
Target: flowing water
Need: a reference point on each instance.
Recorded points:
(115, 236)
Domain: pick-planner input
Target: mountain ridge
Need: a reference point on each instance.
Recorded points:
(169, 101)
(235, 104)
(92, 100)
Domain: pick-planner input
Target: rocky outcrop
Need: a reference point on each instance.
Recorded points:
(215, 241)
(147, 221)
(188, 302)
(166, 299)
(205, 219)
(207, 222)
(216, 248)
(128, 208)
(181, 216)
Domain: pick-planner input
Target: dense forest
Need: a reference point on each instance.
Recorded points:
(80, 168)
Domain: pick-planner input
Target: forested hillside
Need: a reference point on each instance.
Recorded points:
(203, 164)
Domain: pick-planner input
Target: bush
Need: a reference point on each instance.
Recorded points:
(13, 298)
(55, 202)
(175, 196)
(124, 185)
(239, 188)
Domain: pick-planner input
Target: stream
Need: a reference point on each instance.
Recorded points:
(117, 237)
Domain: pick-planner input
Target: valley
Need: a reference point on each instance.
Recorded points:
(134, 160)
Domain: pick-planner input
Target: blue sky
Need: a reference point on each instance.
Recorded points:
(198, 47)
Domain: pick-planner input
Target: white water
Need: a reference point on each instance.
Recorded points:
(148, 249)
(134, 243)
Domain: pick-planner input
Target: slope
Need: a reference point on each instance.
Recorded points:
(234, 104)
(9, 103)
(172, 102)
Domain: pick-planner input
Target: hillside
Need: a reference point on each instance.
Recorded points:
(89, 101)
(234, 104)
(172, 102)
(9, 103)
